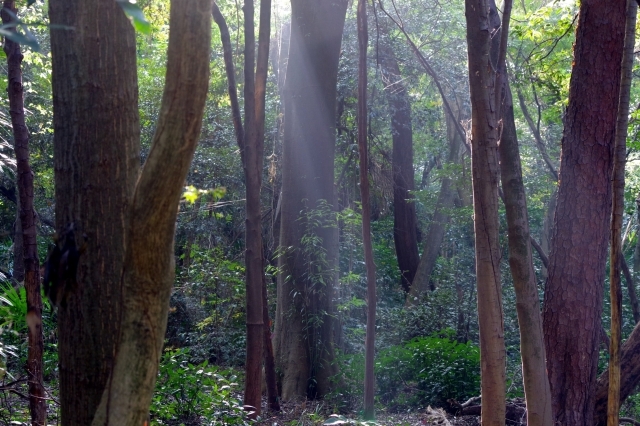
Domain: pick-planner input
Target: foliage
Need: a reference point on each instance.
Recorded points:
(203, 392)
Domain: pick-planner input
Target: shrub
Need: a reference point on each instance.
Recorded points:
(428, 371)
(194, 394)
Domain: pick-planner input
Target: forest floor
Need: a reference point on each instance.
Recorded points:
(312, 413)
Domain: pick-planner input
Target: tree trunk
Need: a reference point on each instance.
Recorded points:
(369, 377)
(629, 375)
(438, 225)
(37, 397)
(617, 256)
(574, 290)
(405, 221)
(303, 334)
(17, 272)
(482, 21)
(149, 260)
(534, 373)
(96, 160)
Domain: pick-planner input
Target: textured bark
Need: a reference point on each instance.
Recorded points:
(482, 21)
(96, 162)
(149, 261)
(303, 334)
(574, 290)
(534, 373)
(27, 214)
(405, 221)
(437, 226)
(369, 377)
(629, 374)
(617, 256)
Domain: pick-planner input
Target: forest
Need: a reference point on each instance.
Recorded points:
(319, 212)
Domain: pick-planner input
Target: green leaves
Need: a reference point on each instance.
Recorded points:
(10, 31)
(133, 12)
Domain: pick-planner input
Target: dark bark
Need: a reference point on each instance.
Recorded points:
(405, 221)
(304, 325)
(369, 377)
(484, 81)
(253, 226)
(27, 214)
(574, 290)
(96, 165)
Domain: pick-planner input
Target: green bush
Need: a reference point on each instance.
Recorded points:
(194, 394)
(428, 371)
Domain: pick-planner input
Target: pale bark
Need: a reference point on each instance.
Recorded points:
(617, 256)
(534, 373)
(304, 316)
(482, 21)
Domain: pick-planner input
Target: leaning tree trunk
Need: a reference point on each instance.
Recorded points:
(482, 21)
(405, 221)
(574, 290)
(309, 234)
(534, 373)
(96, 160)
(27, 215)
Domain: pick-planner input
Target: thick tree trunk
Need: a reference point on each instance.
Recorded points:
(574, 290)
(617, 256)
(482, 21)
(149, 261)
(27, 214)
(96, 160)
(405, 221)
(534, 373)
(303, 334)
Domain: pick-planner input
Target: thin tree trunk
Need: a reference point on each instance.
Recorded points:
(369, 377)
(574, 290)
(534, 372)
(482, 21)
(37, 400)
(617, 257)
(18, 247)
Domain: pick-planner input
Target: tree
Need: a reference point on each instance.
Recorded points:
(309, 236)
(27, 223)
(113, 313)
(405, 221)
(485, 53)
(574, 289)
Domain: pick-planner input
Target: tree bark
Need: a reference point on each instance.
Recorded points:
(534, 372)
(405, 221)
(574, 290)
(96, 161)
(303, 334)
(482, 22)
(369, 377)
(617, 256)
(149, 261)
(27, 219)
